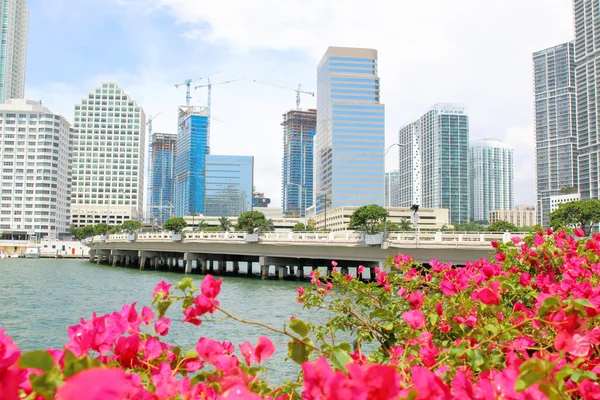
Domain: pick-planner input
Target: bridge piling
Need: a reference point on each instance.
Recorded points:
(264, 272)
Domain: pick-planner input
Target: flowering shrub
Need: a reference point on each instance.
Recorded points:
(524, 325)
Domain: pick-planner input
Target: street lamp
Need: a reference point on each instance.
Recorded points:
(415, 208)
(395, 144)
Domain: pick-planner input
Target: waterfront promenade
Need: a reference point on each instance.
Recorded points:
(286, 254)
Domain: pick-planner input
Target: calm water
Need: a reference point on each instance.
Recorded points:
(39, 299)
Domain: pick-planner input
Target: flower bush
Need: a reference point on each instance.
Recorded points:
(524, 325)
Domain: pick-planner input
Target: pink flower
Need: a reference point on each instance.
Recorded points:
(166, 384)
(525, 279)
(416, 300)
(348, 278)
(100, 383)
(361, 269)
(152, 349)
(10, 383)
(462, 388)
(9, 352)
(300, 291)
(495, 244)
(516, 239)
(579, 232)
(211, 287)
(589, 390)
(162, 326)
(428, 385)
(190, 315)
(163, 287)
(489, 295)
(414, 318)
(538, 240)
(147, 315)
(334, 263)
(438, 308)
(209, 350)
(500, 257)
(263, 351)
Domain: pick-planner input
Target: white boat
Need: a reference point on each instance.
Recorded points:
(32, 251)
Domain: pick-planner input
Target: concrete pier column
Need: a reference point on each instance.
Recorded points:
(92, 255)
(300, 272)
(110, 258)
(282, 271)
(99, 259)
(222, 266)
(236, 267)
(203, 263)
(291, 269)
(264, 272)
(156, 262)
(142, 263)
(115, 260)
(127, 258)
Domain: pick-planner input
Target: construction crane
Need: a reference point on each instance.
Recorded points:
(187, 83)
(209, 105)
(298, 91)
(149, 173)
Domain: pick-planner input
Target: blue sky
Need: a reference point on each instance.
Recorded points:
(473, 52)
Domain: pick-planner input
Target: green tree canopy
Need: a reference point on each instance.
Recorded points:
(101, 229)
(299, 227)
(469, 227)
(115, 229)
(581, 213)
(367, 218)
(250, 221)
(87, 231)
(224, 224)
(201, 226)
(502, 226)
(266, 226)
(131, 225)
(175, 224)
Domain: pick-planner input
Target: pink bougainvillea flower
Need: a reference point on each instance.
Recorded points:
(579, 232)
(334, 263)
(489, 295)
(538, 240)
(163, 287)
(263, 351)
(428, 385)
(414, 319)
(300, 291)
(516, 239)
(147, 315)
(209, 350)
(589, 390)
(167, 386)
(100, 383)
(361, 269)
(329, 285)
(162, 326)
(238, 392)
(416, 300)
(190, 315)
(211, 287)
(9, 352)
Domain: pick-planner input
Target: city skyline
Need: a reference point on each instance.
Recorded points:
(147, 70)
(14, 16)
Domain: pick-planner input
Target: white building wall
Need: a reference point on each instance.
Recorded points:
(557, 200)
(14, 17)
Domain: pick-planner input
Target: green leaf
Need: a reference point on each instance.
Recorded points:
(476, 358)
(191, 354)
(493, 329)
(299, 326)
(534, 364)
(80, 365)
(345, 346)
(564, 372)
(380, 313)
(298, 352)
(38, 359)
(44, 384)
(584, 303)
(163, 306)
(547, 305)
(576, 376)
(528, 378)
(550, 391)
(185, 283)
(340, 358)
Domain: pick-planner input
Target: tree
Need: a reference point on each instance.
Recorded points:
(367, 218)
(249, 221)
(201, 226)
(86, 231)
(224, 224)
(299, 227)
(405, 225)
(581, 213)
(469, 227)
(131, 225)
(101, 229)
(266, 226)
(115, 229)
(502, 226)
(311, 225)
(175, 224)
(75, 232)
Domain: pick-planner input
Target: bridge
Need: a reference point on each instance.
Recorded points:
(288, 252)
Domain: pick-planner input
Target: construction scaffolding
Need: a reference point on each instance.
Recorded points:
(299, 129)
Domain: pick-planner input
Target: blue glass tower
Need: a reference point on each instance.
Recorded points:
(349, 144)
(162, 167)
(192, 148)
(229, 183)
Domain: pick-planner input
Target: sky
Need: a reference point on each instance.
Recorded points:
(474, 52)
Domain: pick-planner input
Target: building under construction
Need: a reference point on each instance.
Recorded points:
(299, 129)
(162, 159)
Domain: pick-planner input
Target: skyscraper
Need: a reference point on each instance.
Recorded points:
(492, 182)
(229, 182)
(434, 159)
(109, 145)
(35, 151)
(13, 48)
(555, 124)
(297, 166)
(162, 169)
(192, 147)
(587, 63)
(349, 144)
(392, 188)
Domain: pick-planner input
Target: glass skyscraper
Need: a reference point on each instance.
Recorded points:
(162, 168)
(392, 188)
(229, 183)
(349, 143)
(492, 182)
(297, 165)
(14, 15)
(192, 148)
(587, 78)
(555, 125)
(434, 158)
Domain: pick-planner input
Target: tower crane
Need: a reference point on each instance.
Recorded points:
(187, 83)
(298, 91)
(149, 172)
(209, 105)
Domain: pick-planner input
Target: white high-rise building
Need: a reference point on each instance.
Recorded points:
(14, 15)
(392, 188)
(108, 158)
(491, 178)
(35, 153)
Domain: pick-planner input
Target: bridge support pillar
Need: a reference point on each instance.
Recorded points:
(188, 261)
(300, 272)
(264, 271)
(92, 255)
(115, 260)
(282, 271)
(142, 263)
(155, 261)
(222, 266)
(203, 263)
(236, 267)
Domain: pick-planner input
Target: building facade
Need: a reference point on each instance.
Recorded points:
(35, 152)
(492, 180)
(109, 145)
(349, 143)
(299, 129)
(555, 124)
(259, 200)
(523, 216)
(559, 199)
(14, 15)
(392, 188)
(192, 148)
(162, 170)
(587, 79)
(434, 160)
(229, 183)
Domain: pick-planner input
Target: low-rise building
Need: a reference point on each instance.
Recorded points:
(524, 215)
(557, 200)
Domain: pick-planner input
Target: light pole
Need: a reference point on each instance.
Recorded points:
(415, 209)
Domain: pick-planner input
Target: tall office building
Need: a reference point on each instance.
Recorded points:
(555, 124)
(13, 48)
(35, 153)
(192, 147)
(297, 167)
(392, 188)
(349, 143)
(492, 178)
(587, 79)
(434, 159)
(109, 145)
(162, 169)
(229, 183)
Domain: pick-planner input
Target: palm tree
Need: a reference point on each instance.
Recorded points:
(224, 224)
(266, 226)
(202, 225)
(405, 225)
